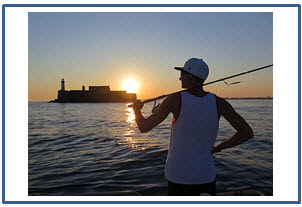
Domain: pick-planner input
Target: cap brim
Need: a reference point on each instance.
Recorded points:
(178, 68)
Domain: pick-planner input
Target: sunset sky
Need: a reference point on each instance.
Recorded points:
(108, 48)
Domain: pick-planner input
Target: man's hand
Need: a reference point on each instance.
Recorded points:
(137, 105)
(157, 117)
(216, 149)
(244, 131)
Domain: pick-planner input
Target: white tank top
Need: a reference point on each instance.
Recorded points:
(193, 136)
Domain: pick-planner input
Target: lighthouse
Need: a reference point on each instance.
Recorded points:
(62, 85)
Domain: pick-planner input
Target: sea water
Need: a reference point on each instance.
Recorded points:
(78, 148)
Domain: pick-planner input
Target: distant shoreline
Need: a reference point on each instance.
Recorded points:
(223, 97)
(249, 98)
(238, 98)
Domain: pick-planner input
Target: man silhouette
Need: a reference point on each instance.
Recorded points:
(190, 168)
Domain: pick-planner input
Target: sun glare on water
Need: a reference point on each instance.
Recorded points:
(130, 85)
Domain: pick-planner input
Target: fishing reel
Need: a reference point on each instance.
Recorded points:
(231, 83)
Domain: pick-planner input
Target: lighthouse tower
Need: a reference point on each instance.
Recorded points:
(62, 85)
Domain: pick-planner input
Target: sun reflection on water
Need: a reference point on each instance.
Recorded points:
(130, 116)
(129, 134)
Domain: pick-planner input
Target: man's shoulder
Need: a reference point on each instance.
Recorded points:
(224, 105)
(174, 97)
(219, 99)
(221, 102)
(172, 102)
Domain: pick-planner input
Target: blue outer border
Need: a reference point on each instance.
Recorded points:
(3, 104)
(299, 103)
(151, 5)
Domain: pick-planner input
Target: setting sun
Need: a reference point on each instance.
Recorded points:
(130, 85)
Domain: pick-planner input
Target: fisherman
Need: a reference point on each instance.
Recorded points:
(190, 168)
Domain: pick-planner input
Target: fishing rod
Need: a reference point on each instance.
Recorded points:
(222, 79)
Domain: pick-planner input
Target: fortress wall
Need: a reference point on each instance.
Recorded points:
(99, 89)
(96, 94)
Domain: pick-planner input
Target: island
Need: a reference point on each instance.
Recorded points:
(95, 94)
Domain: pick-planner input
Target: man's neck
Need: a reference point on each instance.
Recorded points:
(197, 90)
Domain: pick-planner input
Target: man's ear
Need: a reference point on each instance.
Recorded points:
(192, 78)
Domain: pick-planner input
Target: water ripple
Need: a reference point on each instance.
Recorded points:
(81, 148)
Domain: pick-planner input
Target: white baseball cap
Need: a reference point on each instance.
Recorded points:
(197, 67)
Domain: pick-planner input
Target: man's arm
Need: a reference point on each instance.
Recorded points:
(157, 117)
(244, 131)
